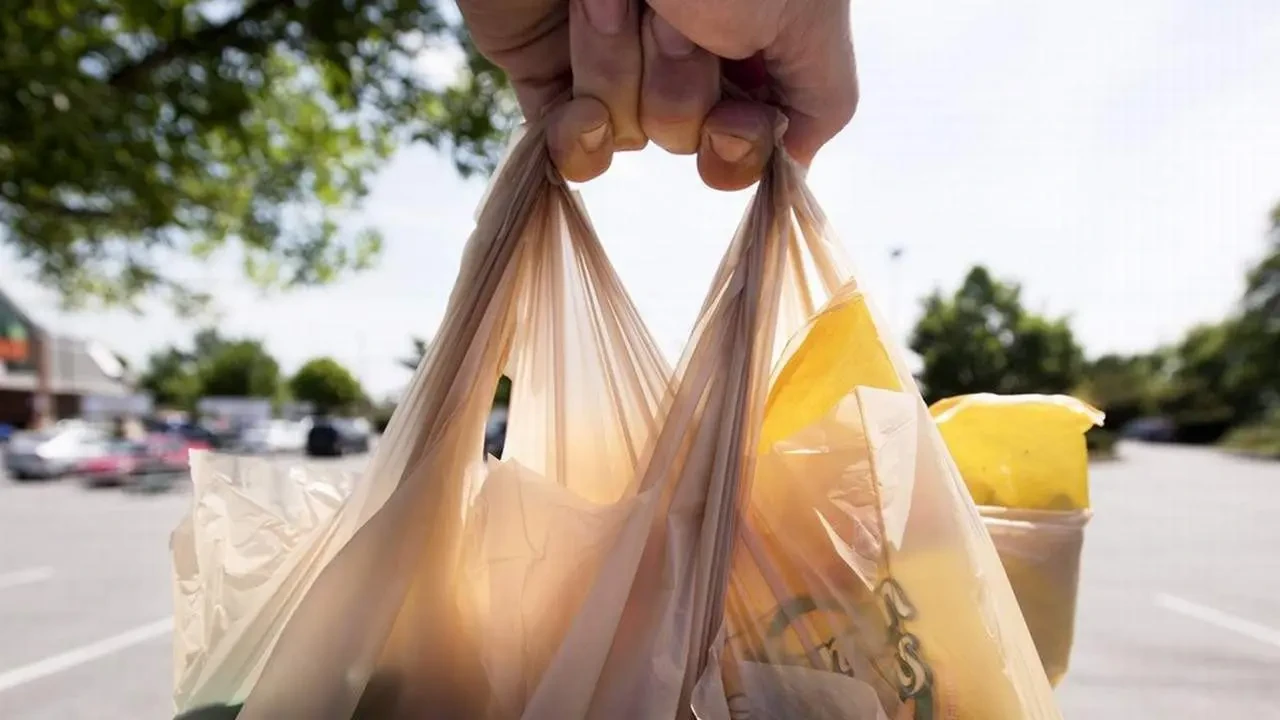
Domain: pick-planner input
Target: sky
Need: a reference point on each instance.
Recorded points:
(1116, 159)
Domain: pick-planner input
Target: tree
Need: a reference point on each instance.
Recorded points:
(136, 131)
(1262, 284)
(207, 343)
(239, 368)
(327, 385)
(1226, 374)
(1125, 387)
(420, 347)
(1211, 385)
(1258, 331)
(380, 414)
(170, 379)
(981, 339)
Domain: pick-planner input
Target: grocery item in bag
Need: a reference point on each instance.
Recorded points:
(1020, 451)
(716, 540)
(1040, 551)
(864, 531)
(1024, 457)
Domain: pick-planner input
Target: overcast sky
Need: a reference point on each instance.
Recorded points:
(1117, 159)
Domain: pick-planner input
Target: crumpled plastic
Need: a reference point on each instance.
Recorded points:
(772, 528)
(1020, 451)
(1024, 460)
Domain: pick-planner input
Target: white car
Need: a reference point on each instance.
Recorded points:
(276, 436)
(52, 453)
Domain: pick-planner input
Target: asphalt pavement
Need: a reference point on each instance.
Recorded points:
(1179, 609)
(1179, 613)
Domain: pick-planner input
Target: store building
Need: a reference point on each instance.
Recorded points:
(75, 369)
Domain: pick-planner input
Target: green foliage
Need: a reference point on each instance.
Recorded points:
(216, 366)
(1124, 387)
(327, 385)
(1262, 284)
(420, 347)
(502, 396)
(1260, 439)
(239, 368)
(206, 343)
(1101, 443)
(981, 339)
(1258, 330)
(1227, 374)
(1219, 376)
(1214, 383)
(133, 132)
(381, 414)
(171, 380)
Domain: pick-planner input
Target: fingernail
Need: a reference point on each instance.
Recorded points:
(670, 41)
(606, 16)
(593, 139)
(730, 148)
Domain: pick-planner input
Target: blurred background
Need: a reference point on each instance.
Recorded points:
(235, 224)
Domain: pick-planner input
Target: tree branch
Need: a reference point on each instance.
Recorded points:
(208, 38)
(52, 207)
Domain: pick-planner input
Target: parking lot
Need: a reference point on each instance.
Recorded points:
(1179, 612)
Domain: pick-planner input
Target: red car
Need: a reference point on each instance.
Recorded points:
(191, 441)
(113, 465)
(124, 462)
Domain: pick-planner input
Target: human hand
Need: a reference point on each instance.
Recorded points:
(577, 61)
(796, 55)
(657, 74)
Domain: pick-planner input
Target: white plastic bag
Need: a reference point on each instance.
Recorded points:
(611, 565)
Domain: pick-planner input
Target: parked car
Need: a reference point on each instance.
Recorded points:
(198, 436)
(171, 452)
(357, 433)
(495, 432)
(191, 442)
(335, 437)
(123, 462)
(1150, 429)
(51, 453)
(113, 465)
(6, 432)
(276, 436)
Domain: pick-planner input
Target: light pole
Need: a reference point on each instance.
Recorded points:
(895, 277)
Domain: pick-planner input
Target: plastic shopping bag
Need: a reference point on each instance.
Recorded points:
(252, 518)
(1024, 460)
(716, 540)
(866, 554)
(1020, 451)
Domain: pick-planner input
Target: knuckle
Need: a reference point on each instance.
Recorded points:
(843, 107)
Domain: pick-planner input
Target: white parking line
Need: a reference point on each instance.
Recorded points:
(1226, 621)
(75, 657)
(29, 576)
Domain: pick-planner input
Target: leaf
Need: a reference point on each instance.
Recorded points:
(127, 125)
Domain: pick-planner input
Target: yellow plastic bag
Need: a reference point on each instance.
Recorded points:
(853, 476)
(1020, 451)
(1024, 459)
